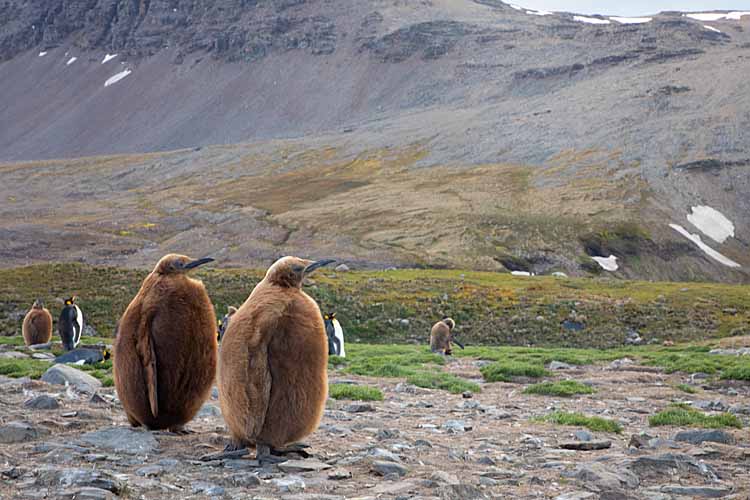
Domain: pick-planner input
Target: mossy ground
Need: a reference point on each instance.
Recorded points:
(355, 392)
(683, 415)
(563, 388)
(597, 424)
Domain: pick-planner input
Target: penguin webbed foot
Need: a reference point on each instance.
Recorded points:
(265, 455)
(294, 448)
(231, 451)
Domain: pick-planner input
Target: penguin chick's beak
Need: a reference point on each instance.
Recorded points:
(315, 265)
(195, 263)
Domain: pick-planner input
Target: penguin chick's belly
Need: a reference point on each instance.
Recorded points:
(297, 402)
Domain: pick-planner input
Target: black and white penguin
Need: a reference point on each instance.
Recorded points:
(70, 324)
(335, 335)
(84, 356)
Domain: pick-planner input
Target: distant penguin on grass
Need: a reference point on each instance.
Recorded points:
(273, 379)
(70, 324)
(224, 322)
(84, 357)
(441, 336)
(165, 353)
(335, 335)
(37, 325)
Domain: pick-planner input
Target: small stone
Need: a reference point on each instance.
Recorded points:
(639, 440)
(42, 402)
(40, 347)
(19, 432)
(214, 393)
(150, 471)
(244, 479)
(43, 356)
(696, 491)
(442, 477)
(576, 495)
(341, 268)
(97, 399)
(359, 408)
(467, 395)
(64, 374)
(583, 435)
(488, 481)
(384, 434)
(619, 364)
(384, 468)
(208, 489)
(381, 454)
(290, 484)
(585, 445)
(78, 478)
(339, 475)
(456, 426)
(486, 461)
(700, 436)
(462, 491)
(209, 410)
(13, 355)
(405, 388)
(558, 365)
(404, 322)
(85, 494)
(292, 466)
(422, 443)
(605, 477)
(122, 440)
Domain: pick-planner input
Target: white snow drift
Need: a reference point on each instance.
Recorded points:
(712, 223)
(43, 53)
(71, 61)
(696, 238)
(607, 263)
(116, 78)
(718, 16)
(538, 13)
(711, 28)
(590, 20)
(108, 58)
(632, 20)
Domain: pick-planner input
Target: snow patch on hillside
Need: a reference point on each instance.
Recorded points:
(712, 223)
(71, 61)
(43, 53)
(718, 16)
(632, 20)
(607, 263)
(538, 13)
(108, 58)
(590, 20)
(116, 78)
(696, 238)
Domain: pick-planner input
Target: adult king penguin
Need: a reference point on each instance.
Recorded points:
(273, 379)
(165, 352)
(37, 325)
(70, 324)
(335, 335)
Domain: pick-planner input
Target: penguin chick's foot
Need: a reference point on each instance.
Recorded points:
(232, 450)
(294, 448)
(264, 455)
(181, 430)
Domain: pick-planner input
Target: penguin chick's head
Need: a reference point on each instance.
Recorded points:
(174, 263)
(449, 321)
(71, 301)
(38, 304)
(291, 271)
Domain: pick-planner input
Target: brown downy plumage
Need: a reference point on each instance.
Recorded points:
(273, 379)
(165, 353)
(440, 336)
(37, 325)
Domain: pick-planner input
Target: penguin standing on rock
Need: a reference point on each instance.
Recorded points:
(165, 352)
(273, 379)
(70, 324)
(37, 324)
(441, 336)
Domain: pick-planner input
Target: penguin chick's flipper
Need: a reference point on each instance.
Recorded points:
(145, 347)
(264, 455)
(459, 344)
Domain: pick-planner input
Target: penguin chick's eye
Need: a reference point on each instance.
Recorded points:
(297, 268)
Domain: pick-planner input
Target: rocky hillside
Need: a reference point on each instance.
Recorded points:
(445, 133)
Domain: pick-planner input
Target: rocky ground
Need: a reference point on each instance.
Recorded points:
(74, 442)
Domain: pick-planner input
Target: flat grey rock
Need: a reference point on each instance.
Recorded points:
(384, 468)
(13, 355)
(244, 479)
(696, 491)
(381, 454)
(205, 488)
(62, 374)
(585, 445)
(582, 435)
(42, 402)
(150, 471)
(605, 477)
(85, 494)
(78, 478)
(20, 432)
(576, 495)
(359, 408)
(292, 466)
(559, 365)
(209, 410)
(291, 484)
(122, 440)
(700, 436)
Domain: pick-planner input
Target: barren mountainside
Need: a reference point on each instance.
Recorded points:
(443, 133)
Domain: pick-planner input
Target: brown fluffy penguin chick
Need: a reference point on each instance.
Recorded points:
(440, 336)
(273, 379)
(37, 325)
(165, 353)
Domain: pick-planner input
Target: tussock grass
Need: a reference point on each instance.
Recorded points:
(355, 392)
(503, 371)
(442, 380)
(686, 388)
(581, 420)
(17, 368)
(683, 415)
(563, 388)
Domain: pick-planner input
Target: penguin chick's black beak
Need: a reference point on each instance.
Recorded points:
(195, 263)
(315, 265)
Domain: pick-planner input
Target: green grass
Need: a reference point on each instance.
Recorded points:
(581, 420)
(686, 388)
(17, 368)
(564, 388)
(355, 392)
(683, 415)
(503, 371)
(737, 372)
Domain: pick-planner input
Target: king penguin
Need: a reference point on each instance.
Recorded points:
(165, 352)
(335, 335)
(37, 324)
(224, 322)
(70, 324)
(273, 379)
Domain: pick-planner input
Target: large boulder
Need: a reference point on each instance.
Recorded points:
(64, 374)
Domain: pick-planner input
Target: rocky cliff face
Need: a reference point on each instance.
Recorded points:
(574, 124)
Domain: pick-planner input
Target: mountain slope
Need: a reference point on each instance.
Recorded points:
(449, 133)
